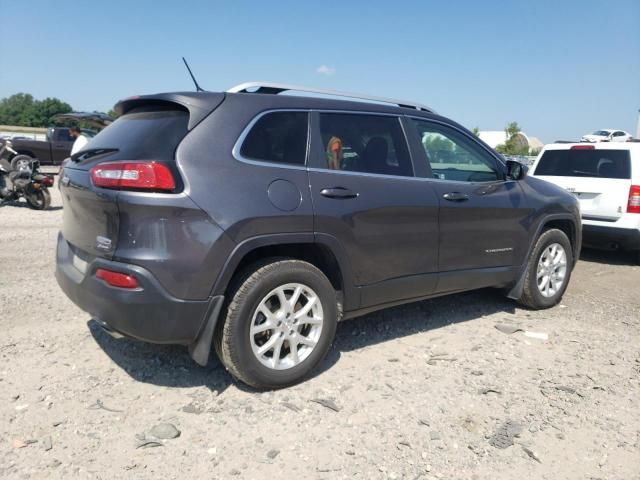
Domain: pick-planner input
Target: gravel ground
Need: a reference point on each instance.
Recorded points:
(428, 390)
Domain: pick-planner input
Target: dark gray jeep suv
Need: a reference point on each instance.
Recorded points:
(255, 221)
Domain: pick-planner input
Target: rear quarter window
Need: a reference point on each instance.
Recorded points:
(598, 163)
(145, 133)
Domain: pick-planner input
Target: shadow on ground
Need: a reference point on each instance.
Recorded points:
(171, 366)
(609, 257)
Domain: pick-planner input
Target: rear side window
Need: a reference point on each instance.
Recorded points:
(585, 163)
(147, 133)
(279, 137)
(365, 143)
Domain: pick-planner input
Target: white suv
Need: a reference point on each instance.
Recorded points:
(606, 179)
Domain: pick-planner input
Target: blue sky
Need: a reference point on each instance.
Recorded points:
(559, 68)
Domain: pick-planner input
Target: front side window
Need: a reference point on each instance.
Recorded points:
(279, 137)
(453, 156)
(364, 143)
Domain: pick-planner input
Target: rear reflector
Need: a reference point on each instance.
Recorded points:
(117, 279)
(133, 176)
(583, 147)
(634, 199)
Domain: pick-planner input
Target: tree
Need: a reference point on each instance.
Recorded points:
(14, 110)
(476, 131)
(515, 144)
(22, 110)
(112, 113)
(43, 110)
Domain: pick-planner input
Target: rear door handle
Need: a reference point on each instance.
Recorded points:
(338, 192)
(456, 197)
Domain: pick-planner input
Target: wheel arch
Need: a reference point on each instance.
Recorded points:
(563, 222)
(322, 251)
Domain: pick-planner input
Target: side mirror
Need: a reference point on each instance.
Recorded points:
(516, 170)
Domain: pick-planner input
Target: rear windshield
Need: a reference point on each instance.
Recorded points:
(585, 163)
(143, 133)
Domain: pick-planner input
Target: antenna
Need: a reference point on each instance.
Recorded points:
(198, 87)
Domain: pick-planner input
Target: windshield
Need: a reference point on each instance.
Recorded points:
(601, 133)
(585, 163)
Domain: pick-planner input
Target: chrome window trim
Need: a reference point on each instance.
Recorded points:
(237, 147)
(365, 174)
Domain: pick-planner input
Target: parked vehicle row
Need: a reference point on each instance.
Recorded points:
(255, 221)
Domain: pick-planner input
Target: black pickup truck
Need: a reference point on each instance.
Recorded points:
(59, 142)
(51, 151)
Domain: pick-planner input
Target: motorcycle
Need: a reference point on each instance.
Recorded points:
(26, 181)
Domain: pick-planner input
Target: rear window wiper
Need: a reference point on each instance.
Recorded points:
(93, 152)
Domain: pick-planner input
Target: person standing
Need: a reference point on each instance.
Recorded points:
(80, 139)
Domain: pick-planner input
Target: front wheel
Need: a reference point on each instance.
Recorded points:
(548, 270)
(279, 324)
(39, 199)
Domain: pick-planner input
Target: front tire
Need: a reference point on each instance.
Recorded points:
(548, 271)
(39, 199)
(279, 325)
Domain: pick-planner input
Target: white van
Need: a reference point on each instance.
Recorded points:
(606, 179)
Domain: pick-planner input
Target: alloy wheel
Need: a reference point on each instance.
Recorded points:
(286, 326)
(552, 270)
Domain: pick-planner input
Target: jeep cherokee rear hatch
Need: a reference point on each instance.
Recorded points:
(136, 153)
(599, 177)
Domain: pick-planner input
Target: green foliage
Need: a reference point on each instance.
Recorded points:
(476, 131)
(512, 129)
(112, 113)
(437, 143)
(22, 110)
(514, 144)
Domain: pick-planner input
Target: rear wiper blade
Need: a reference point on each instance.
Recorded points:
(93, 152)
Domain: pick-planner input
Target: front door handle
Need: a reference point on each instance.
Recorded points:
(456, 197)
(338, 192)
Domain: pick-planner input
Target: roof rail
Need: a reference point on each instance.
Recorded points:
(275, 88)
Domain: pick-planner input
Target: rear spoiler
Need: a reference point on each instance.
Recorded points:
(198, 104)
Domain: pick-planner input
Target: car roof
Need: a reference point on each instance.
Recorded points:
(632, 146)
(198, 102)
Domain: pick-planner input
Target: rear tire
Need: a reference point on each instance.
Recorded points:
(39, 199)
(280, 323)
(548, 271)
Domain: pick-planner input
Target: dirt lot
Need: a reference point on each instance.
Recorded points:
(429, 390)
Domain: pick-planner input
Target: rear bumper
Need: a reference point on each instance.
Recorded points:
(147, 313)
(610, 237)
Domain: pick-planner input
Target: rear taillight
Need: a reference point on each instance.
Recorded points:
(583, 147)
(117, 279)
(134, 176)
(634, 199)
